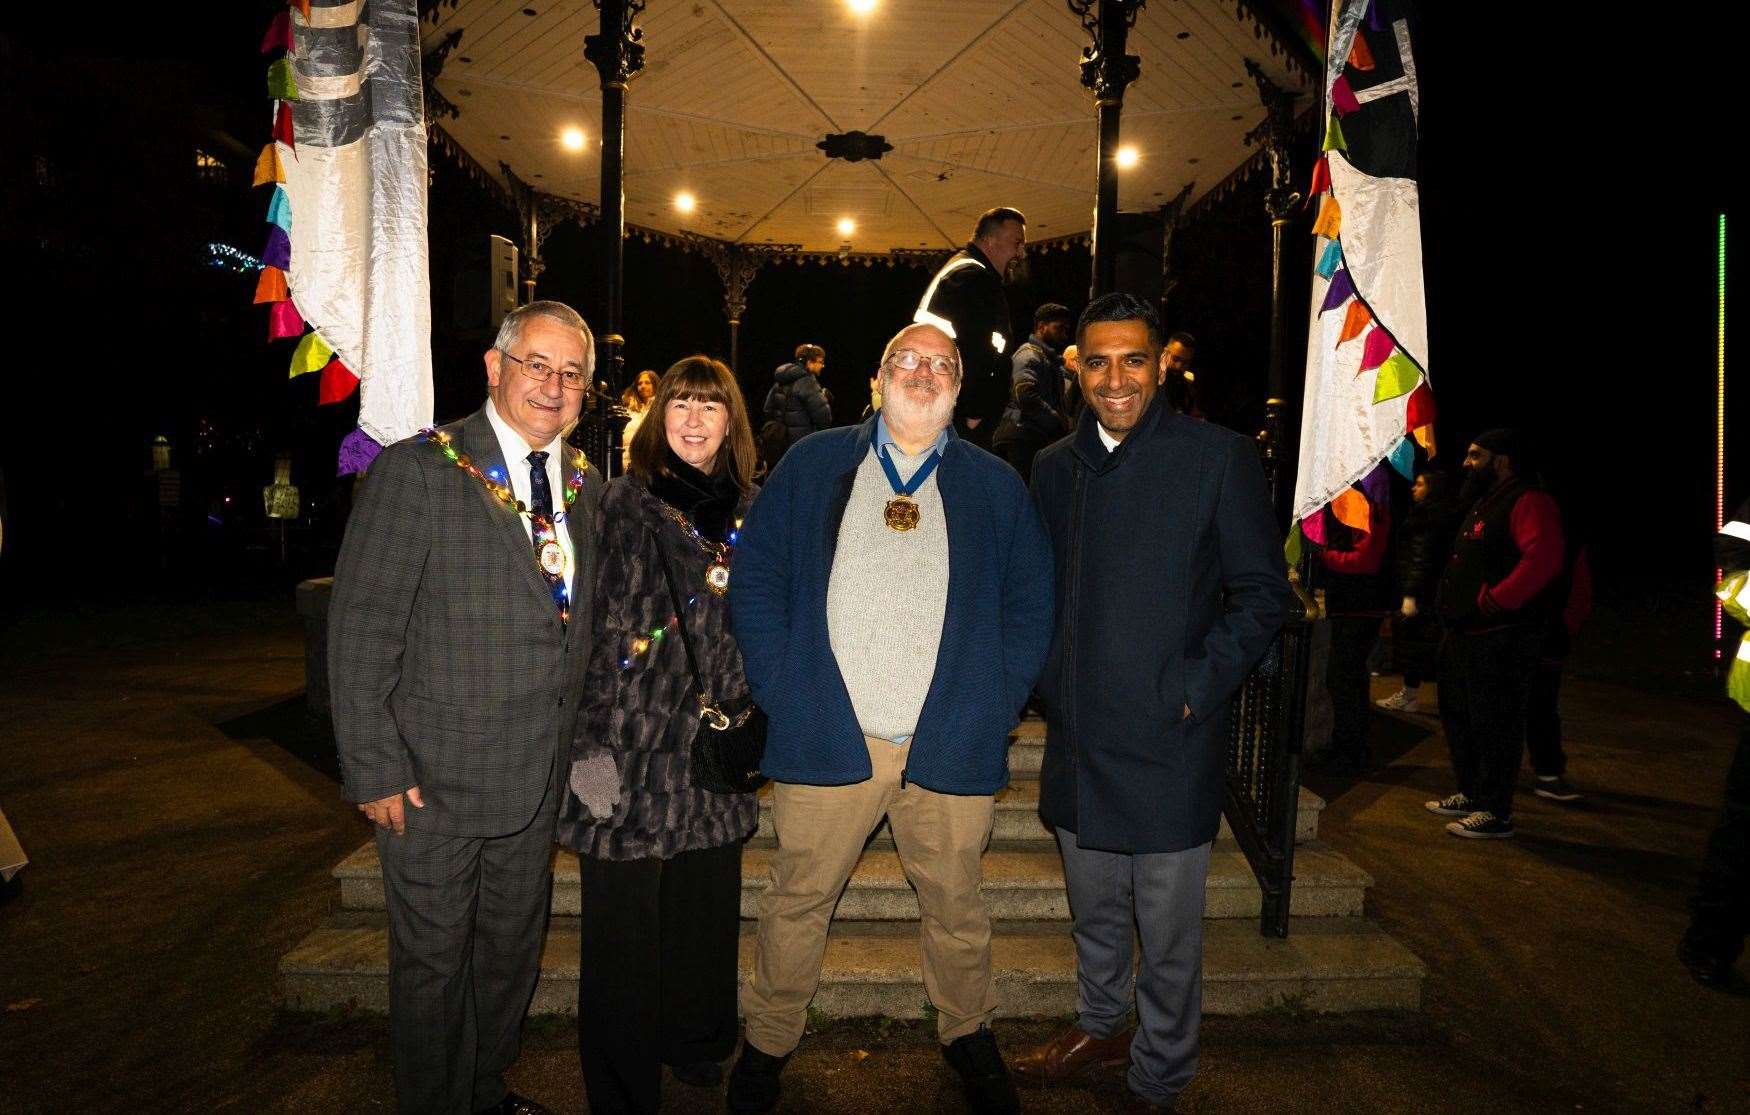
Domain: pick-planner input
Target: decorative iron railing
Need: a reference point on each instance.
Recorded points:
(1263, 766)
(598, 435)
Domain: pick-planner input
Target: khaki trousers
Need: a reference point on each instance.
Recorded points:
(821, 832)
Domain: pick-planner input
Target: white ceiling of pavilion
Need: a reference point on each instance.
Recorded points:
(981, 100)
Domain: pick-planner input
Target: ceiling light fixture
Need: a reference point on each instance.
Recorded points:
(1127, 157)
(572, 138)
(685, 202)
(846, 226)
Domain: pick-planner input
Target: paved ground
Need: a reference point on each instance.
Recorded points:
(179, 846)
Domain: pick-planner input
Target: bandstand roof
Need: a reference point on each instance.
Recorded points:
(980, 100)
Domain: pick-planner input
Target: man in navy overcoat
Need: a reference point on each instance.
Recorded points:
(1170, 586)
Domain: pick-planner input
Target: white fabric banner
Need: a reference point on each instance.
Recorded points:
(357, 184)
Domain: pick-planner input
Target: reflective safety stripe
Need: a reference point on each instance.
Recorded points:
(924, 316)
(998, 342)
(1744, 650)
(1736, 529)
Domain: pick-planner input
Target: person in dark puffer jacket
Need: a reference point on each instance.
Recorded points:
(796, 398)
(660, 857)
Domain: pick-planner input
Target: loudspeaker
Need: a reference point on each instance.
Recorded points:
(484, 287)
(1140, 237)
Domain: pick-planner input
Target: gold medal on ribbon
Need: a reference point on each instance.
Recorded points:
(717, 577)
(552, 559)
(901, 513)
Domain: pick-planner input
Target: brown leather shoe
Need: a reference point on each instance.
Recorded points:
(1071, 1053)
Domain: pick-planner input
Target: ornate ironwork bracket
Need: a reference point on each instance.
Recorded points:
(438, 106)
(1274, 135)
(618, 57)
(1106, 69)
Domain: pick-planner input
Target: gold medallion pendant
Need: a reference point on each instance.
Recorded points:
(717, 577)
(901, 513)
(552, 559)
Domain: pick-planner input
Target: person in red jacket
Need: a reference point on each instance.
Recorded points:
(1495, 604)
(1357, 598)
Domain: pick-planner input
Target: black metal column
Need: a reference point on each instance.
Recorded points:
(1107, 70)
(617, 52)
(1275, 134)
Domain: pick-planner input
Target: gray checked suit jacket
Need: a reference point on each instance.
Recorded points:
(446, 659)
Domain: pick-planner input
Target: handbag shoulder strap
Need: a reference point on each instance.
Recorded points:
(674, 598)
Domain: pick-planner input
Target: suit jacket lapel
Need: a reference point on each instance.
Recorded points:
(481, 444)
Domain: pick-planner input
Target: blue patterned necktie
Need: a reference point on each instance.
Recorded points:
(543, 533)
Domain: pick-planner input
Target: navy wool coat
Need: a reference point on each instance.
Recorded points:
(1170, 586)
(994, 635)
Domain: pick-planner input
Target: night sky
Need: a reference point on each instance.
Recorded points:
(1572, 179)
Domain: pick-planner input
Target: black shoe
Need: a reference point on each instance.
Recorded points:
(753, 1082)
(979, 1062)
(1556, 789)
(698, 1074)
(513, 1104)
(1707, 967)
(1453, 805)
(1481, 825)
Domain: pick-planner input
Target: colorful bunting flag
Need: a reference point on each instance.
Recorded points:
(337, 383)
(1424, 436)
(357, 450)
(303, 7)
(1352, 510)
(271, 286)
(1343, 100)
(1397, 376)
(1330, 259)
(1376, 348)
(312, 354)
(283, 320)
(1330, 219)
(1420, 409)
(1341, 289)
(282, 125)
(281, 84)
(1334, 136)
(1403, 457)
(1313, 526)
(1376, 486)
(1361, 56)
(267, 166)
(1294, 547)
(278, 250)
(279, 33)
(1357, 319)
(279, 210)
(1321, 179)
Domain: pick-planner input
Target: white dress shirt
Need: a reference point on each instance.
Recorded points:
(1106, 439)
(516, 463)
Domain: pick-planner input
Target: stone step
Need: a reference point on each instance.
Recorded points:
(1325, 965)
(1020, 884)
(1016, 819)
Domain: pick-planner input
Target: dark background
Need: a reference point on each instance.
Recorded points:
(1570, 193)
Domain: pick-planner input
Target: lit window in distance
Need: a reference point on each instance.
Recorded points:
(1127, 157)
(846, 226)
(685, 202)
(572, 138)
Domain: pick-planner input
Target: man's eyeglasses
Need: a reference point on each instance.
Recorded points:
(908, 359)
(571, 379)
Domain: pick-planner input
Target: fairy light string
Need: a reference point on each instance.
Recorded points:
(543, 527)
(722, 555)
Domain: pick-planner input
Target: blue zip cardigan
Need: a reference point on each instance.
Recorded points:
(994, 636)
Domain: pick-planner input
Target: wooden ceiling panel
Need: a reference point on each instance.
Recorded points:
(981, 100)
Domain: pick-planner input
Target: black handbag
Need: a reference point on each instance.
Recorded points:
(731, 739)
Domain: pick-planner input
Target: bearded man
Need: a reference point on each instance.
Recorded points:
(891, 688)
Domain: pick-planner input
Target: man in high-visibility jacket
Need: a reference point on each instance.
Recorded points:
(1720, 908)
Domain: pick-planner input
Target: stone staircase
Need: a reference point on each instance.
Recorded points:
(1332, 960)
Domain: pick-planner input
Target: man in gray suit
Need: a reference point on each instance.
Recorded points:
(457, 639)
